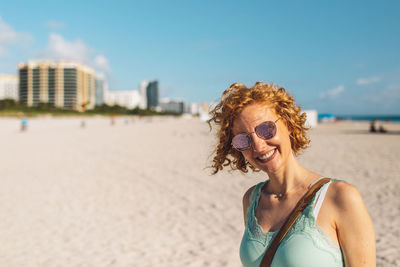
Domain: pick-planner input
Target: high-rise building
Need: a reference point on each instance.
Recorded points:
(100, 88)
(143, 94)
(8, 87)
(152, 95)
(149, 95)
(62, 84)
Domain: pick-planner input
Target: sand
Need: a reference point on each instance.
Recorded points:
(138, 193)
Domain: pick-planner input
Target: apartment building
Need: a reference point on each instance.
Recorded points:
(8, 87)
(62, 84)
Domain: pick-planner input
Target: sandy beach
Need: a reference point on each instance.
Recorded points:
(138, 193)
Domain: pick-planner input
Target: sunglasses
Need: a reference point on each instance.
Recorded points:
(265, 130)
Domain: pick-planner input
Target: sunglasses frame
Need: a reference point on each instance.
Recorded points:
(255, 131)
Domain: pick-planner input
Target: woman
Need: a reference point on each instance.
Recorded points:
(261, 128)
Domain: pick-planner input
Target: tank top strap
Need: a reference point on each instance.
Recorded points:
(320, 196)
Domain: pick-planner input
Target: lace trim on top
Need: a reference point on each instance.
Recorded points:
(306, 224)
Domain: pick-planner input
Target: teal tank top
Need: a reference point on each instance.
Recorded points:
(305, 245)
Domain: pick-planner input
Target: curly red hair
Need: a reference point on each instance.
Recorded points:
(234, 100)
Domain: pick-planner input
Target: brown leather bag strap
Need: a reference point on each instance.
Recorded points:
(300, 206)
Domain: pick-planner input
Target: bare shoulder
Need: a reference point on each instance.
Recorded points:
(246, 201)
(347, 204)
(246, 197)
(345, 196)
(353, 223)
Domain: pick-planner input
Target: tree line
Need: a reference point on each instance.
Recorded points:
(12, 107)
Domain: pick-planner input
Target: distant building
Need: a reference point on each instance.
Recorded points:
(100, 87)
(201, 109)
(174, 106)
(152, 95)
(8, 87)
(129, 99)
(311, 118)
(194, 108)
(62, 84)
(149, 95)
(143, 94)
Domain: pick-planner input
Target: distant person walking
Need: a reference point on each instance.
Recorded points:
(24, 124)
(112, 117)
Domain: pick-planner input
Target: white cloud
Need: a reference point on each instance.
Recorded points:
(333, 93)
(369, 80)
(60, 49)
(8, 36)
(102, 63)
(55, 25)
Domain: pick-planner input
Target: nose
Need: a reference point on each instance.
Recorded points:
(258, 144)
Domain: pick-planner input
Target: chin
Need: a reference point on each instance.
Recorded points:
(269, 167)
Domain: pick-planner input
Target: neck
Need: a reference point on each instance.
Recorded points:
(292, 175)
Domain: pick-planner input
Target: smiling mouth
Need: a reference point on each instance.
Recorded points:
(268, 156)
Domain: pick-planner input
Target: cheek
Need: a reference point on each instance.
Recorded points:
(248, 157)
(284, 137)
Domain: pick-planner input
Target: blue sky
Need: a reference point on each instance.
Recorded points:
(338, 56)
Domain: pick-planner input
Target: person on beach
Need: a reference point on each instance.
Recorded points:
(372, 127)
(24, 124)
(262, 129)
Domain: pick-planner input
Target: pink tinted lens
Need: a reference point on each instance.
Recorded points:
(266, 130)
(241, 142)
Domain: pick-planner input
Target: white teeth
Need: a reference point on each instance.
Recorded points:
(269, 154)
